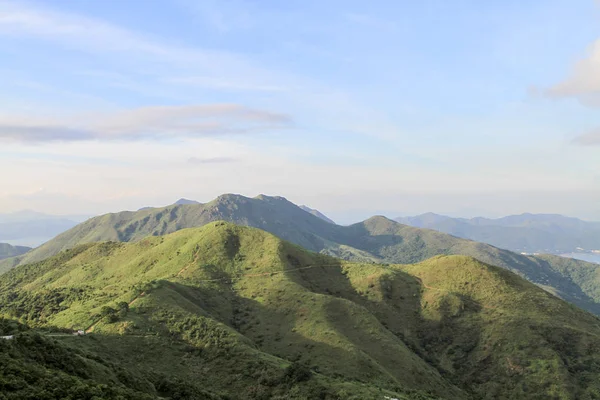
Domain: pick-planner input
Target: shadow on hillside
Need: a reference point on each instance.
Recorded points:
(302, 330)
(445, 341)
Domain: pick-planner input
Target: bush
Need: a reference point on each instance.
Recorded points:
(297, 372)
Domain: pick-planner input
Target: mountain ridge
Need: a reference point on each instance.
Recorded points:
(317, 213)
(377, 239)
(527, 232)
(242, 299)
(7, 250)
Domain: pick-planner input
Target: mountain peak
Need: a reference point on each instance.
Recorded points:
(184, 201)
(267, 198)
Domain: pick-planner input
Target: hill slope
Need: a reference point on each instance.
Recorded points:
(377, 239)
(232, 308)
(6, 250)
(540, 233)
(317, 213)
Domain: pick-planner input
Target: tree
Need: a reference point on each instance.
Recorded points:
(123, 308)
(110, 314)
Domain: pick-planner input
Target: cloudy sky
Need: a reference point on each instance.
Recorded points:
(395, 107)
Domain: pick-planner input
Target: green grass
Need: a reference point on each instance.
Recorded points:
(232, 309)
(377, 239)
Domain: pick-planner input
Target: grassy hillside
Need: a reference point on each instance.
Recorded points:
(6, 250)
(377, 239)
(236, 310)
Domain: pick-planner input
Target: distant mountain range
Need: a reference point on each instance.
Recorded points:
(230, 312)
(377, 239)
(531, 233)
(30, 228)
(6, 250)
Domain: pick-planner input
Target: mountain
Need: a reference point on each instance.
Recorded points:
(186, 201)
(225, 311)
(6, 250)
(377, 239)
(317, 213)
(532, 233)
(179, 202)
(31, 228)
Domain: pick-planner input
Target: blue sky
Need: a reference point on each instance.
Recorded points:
(396, 107)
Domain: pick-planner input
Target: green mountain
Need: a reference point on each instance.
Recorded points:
(225, 311)
(532, 233)
(6, 250)
(377, 239)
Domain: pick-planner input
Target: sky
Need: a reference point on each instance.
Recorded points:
(356, 108)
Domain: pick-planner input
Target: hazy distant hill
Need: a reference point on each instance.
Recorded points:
(32, 228)
(186, 201)
(317, 213)
(377, 239)
(177, 203)
(531, 233)
(6, 250)
(225, 311)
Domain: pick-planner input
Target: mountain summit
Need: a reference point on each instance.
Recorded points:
(183, 201)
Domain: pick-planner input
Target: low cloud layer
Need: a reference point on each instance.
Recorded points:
(147, 123)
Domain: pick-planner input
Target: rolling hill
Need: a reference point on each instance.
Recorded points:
(539, 233)
(6, 250)
(377, 239)
(225, 311)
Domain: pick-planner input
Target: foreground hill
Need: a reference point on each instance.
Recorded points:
(539, 233)
(6, 250)
(231, 312)
(377, 239)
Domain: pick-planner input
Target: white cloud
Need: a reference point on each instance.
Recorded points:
(145, 123)
(584, 80)
(217, 83)
(86, 34)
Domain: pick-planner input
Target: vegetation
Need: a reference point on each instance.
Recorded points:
(225, 311)
(377, 239)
